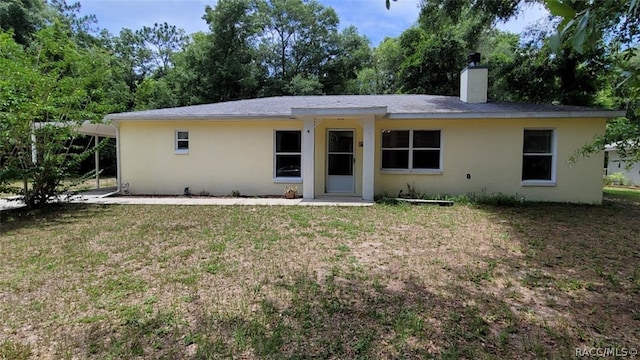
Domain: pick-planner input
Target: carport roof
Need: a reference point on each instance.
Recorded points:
(389, 106)
(104, 130)
(86, 128)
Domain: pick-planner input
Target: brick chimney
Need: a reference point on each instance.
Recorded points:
(474, 81)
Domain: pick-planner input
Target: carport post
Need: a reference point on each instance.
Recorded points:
(34, 148)
(97, 160)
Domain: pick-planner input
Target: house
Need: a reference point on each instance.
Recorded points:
(616, 163)
(364, 145)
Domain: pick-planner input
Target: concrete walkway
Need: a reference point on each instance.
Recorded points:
(101, 197)
(179, 200)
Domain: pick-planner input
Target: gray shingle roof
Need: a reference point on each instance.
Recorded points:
(397, 107)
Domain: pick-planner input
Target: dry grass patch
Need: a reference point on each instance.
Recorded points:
(299, 282)
(73, 185)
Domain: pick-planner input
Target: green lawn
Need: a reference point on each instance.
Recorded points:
(622, 193)
(467, 281)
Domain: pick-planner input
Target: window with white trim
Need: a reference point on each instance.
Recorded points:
(411, 149)
(288, 153)
(182, 142)
(538, 155)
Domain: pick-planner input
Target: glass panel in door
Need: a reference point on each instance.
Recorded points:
(340, 161)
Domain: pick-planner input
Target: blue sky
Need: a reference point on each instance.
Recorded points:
(370, 16)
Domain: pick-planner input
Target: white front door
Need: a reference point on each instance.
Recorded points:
(340, 161)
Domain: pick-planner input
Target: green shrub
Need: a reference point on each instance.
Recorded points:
(616, 178)
(494, 199)
(498, 199)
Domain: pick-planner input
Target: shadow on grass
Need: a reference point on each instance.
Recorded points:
(50, 215)
(338, 317)
(577, 268)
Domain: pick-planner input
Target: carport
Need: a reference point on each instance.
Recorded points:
(96, 130)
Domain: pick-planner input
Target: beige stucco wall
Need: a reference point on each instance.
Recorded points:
(491, 152)
(223, 157)
(239, 155)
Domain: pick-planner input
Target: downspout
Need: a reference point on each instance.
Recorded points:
(118, 171)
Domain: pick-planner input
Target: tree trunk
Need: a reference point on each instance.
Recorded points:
(25, 189)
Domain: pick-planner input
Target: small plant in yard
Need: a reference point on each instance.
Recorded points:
(291, 192)
(497, 199)
(616, 178)
(14, 351)
(235, 193)
(411, 193)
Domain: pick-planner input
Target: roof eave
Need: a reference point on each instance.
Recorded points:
(216, 117)
(510, 115)
(380, 111)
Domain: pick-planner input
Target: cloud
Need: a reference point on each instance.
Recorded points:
(371, 17)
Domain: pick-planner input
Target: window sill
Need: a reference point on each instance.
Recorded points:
(182, 152)
(411, 172)
(541, 183)
(285, 180)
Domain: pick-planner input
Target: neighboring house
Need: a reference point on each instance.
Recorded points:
(617, 164)
(364, 145)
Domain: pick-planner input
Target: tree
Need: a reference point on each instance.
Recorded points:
(585, 27)
(80, 26)
(132, 58)
(384, 76)
(24, 17)
(155, 94)
(349, 53)
(161, 42)
(295, 40)
(467, 20)
(141, 55)
(431, 63)
(227, 58)
(500, 51)
(51, 81)
(531, 72)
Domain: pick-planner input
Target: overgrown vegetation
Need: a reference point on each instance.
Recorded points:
(48, 86)
(493, 199)
(325, 282)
